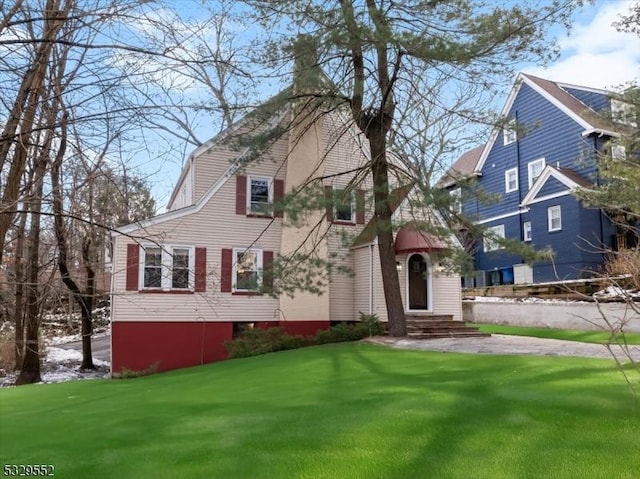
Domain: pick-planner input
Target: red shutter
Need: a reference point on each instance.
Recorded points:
(267, 275)
(278, 193)
(328, 195)
(133, 267)
(241, 195)
(226, 272)
(201, 270)
(360, 207)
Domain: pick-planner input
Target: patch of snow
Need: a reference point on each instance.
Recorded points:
(523, 299)
(613, 292)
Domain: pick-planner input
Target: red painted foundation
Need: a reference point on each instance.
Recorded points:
(163, 346)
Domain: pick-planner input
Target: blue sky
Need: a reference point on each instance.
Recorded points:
(594, 55)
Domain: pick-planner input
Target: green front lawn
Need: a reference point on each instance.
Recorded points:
(600, 337)
(335, 411)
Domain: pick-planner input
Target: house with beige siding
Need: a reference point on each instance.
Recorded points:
(187, 280)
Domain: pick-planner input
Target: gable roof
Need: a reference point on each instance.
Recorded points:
(590, 120)
(236, 164)
(566, 176)
(462, 168)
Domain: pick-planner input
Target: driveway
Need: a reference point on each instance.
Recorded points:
(503, 344)
(100, 347)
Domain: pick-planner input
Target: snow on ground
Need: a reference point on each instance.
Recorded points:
(63, 365)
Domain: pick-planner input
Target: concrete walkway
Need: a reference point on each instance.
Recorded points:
(504, 344)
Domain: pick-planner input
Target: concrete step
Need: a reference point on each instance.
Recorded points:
(450, 334)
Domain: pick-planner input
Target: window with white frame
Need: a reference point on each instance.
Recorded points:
(509, 133)
(511, 180)
(247, 270)
(618, 152)
(491, 236)
(554, 215)
(526, 231)
(535, 170)
(456, 200)
(260, 195)
(344, 207)
(167, 267)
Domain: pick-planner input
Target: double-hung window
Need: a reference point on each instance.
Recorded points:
(535, 170)
(554, 216)
(490, 239)
(168, 267)
(509, 133)
(511, 180)
(344, 206)
(260, 197)
(526, 231)
(247, 271)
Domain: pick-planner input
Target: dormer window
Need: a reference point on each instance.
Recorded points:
(509, 134)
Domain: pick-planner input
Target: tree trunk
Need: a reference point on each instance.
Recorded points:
(30, 371)
(18, 314)
(21, 119)
(386, 249)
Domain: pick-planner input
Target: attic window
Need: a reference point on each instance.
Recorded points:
(260, 195)
(535, 170)
(509, 133)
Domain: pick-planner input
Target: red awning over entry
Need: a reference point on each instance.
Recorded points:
(412, 241)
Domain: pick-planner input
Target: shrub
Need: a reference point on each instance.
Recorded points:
(252, 342)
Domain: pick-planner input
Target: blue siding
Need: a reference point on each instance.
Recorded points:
(551, 187)
(596, 101)
(500, 258)
(550, 134)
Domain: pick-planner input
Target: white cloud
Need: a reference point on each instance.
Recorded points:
(596, 54)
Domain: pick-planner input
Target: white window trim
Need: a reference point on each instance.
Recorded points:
(509, 133)
(429, 284)
(488, 244)
(527, 232)
(269, 179)
(530, 167)
(234, 279)
(167, 266)
(353, 208)
(514, 171)
(550, 217)
(456, 194)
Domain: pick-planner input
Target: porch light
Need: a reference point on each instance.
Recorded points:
(398, 266)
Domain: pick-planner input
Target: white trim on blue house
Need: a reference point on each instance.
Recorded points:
(589, 129)
(548, 172)
(501, 217)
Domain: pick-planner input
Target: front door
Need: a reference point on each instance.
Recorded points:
(418, 283)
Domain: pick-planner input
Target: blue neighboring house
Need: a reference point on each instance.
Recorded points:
(546, 149)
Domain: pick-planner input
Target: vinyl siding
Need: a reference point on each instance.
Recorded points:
(214, 227)
(598, 102)
(549, 134)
